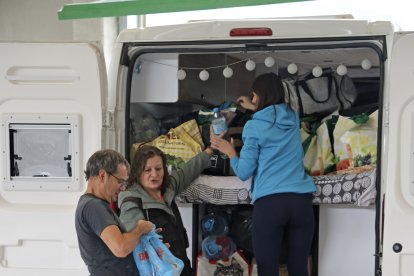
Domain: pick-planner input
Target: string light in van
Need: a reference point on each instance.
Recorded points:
(227, 72)
(204, 75)
(250, 65)
(341, 70)
(366, 64)
(317, 71)
(269, 61)
(292, 68)
(181, 74)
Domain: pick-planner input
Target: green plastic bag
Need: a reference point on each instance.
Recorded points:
(317, 148)
(355, 141)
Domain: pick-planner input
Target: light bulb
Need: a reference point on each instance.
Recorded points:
(341, 70)
(227, 72)
(269, 61)
(250, 65)
(366, 64)
(292, 68)
(204, 75)
(317, 71)
(181, 74)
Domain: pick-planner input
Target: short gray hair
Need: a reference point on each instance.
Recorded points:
(107, 160)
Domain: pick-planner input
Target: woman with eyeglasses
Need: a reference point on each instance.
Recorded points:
(282, 192)
(150, 195)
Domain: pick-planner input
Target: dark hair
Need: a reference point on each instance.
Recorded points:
(141, 157)
(269, 88)
(107, 160)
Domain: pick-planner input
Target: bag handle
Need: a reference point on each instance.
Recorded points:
(305, 87)
(308, 140)
(339, 90)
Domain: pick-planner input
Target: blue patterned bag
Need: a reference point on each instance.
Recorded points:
(153, 258)
(142, 261)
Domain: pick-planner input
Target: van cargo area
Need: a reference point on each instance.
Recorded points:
(167, 86)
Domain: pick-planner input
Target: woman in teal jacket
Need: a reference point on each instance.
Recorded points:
(282, 192)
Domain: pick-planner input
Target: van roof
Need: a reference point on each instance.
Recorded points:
(281, 28)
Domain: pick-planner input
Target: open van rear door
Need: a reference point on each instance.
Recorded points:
(398, 172)
(52, 98)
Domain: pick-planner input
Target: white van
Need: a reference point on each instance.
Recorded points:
(57, 108)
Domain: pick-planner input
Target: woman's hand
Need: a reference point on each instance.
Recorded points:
(144, 226)
(209, 151)
(158, 231)
(224, 146)
(245, 102)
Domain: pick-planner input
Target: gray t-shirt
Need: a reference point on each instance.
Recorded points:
(93, 215)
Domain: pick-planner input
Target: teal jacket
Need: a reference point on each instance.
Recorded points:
(272, 153)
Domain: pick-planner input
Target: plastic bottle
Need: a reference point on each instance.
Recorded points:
(219, 122)
(219, 125)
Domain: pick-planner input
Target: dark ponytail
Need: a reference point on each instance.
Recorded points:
(269, 88)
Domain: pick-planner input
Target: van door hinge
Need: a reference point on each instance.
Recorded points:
(378, 271)
(108, 119)
(386, 115)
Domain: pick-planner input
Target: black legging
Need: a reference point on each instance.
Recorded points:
(276, 215)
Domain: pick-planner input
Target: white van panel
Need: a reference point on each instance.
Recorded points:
(48, 80)
(346, 243)
(288, 28)
(398, 245)
(155, 73)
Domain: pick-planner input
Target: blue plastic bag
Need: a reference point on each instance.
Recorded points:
(214, 225)
(153, 258)
(216, 248)
(142, 261)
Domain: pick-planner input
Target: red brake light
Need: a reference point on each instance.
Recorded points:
(251, 32)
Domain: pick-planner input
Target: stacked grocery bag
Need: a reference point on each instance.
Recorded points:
(219, 254)
(183, 137)
(226, 246)
(340, 144)
(336, 134)
(183, 142)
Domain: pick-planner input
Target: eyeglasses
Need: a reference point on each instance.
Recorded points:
(123, 183)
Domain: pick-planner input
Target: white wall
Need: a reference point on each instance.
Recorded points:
(27, 20)
(37, 21)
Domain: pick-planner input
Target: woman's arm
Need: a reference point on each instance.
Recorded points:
(222, 145)
(209, 151)
(130, 211)
(245, 165)
(187, 172)
(246, 103)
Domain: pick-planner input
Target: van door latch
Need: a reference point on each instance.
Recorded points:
(397, 247)
(108, 119)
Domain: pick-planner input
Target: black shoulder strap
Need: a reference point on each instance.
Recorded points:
(180, 223)
(136, 200)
